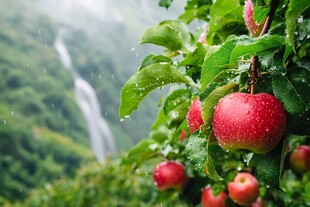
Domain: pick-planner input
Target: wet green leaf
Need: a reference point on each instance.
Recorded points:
(295, 9)
(145, 81)
(172, 34)
(212, 100)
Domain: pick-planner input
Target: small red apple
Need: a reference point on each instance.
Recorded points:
(170, 175)
(183, 135)
(244, 190)
(194, 119)
(258, 203)
(202, 38)
(254, 28)
(251, 122)
(300, 159)
(209, 200)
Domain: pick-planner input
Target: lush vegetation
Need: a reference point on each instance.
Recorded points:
(226, 60)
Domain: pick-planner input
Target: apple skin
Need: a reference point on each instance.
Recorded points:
(209, 200)
(194, 118)
(244, 190)
(170, 175)
(300, 159)
(251, 122)
(258, 203)
(254, 28)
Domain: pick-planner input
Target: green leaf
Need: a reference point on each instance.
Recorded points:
(151, 59)
(144, 150)
(165, 3)
(212, 100)
(222, 14)
(172, 34)
(215, 63)
(292, 91)
(268, 166)
(260, 13)
(197, 153)
(295, 9)
(196, 57)
(176, 107)
(191, 14)
(256, 46)
(176, 98)
(145, 81)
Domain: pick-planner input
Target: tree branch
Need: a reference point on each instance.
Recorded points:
(254, 74)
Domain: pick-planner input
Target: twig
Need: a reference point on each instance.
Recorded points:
(254, 74)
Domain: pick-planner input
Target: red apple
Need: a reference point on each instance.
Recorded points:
(202, 38)
(209, 200)
(183, 135)
(300, 159)
(170, 175)
(258, 203)
(251, 122)
(244, 190)
(194, 119)
(254, 28)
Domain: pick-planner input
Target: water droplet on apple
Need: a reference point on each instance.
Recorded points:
(267, 129)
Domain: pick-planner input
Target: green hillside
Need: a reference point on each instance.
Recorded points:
(42, 134)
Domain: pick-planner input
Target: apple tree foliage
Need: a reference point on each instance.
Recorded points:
(189, 68)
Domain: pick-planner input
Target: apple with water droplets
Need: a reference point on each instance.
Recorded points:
(248, 13)
(170, 175)
(244, 190)
(300, 159)
(254, 122)
(193, 117)
(210, 200)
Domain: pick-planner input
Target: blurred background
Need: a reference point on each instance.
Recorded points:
(62, 66)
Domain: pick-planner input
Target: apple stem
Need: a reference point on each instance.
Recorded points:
(255, 73)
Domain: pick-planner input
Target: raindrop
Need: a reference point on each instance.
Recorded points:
(267, 186)
(132, 49)
(44, 71)
(239, 168)
(105, 114)
(39, 32)
(112, 76)
(136, 84)
(12, 113)
(4, 121)
(121, 120)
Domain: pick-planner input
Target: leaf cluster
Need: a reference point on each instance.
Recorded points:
(191, 68)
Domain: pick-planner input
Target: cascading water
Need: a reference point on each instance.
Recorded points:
(101, 137)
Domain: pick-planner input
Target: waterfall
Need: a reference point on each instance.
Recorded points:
(101, 137)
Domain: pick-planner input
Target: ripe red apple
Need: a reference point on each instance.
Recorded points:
(254, 28)
(194, 119)
(170, 175)
(183, 135)
(300, 159)
(258, 203)
(251, 122)
(244, 190)
(209, 200)
(202, 38)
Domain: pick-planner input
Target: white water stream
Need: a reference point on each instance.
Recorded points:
(101, 137)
